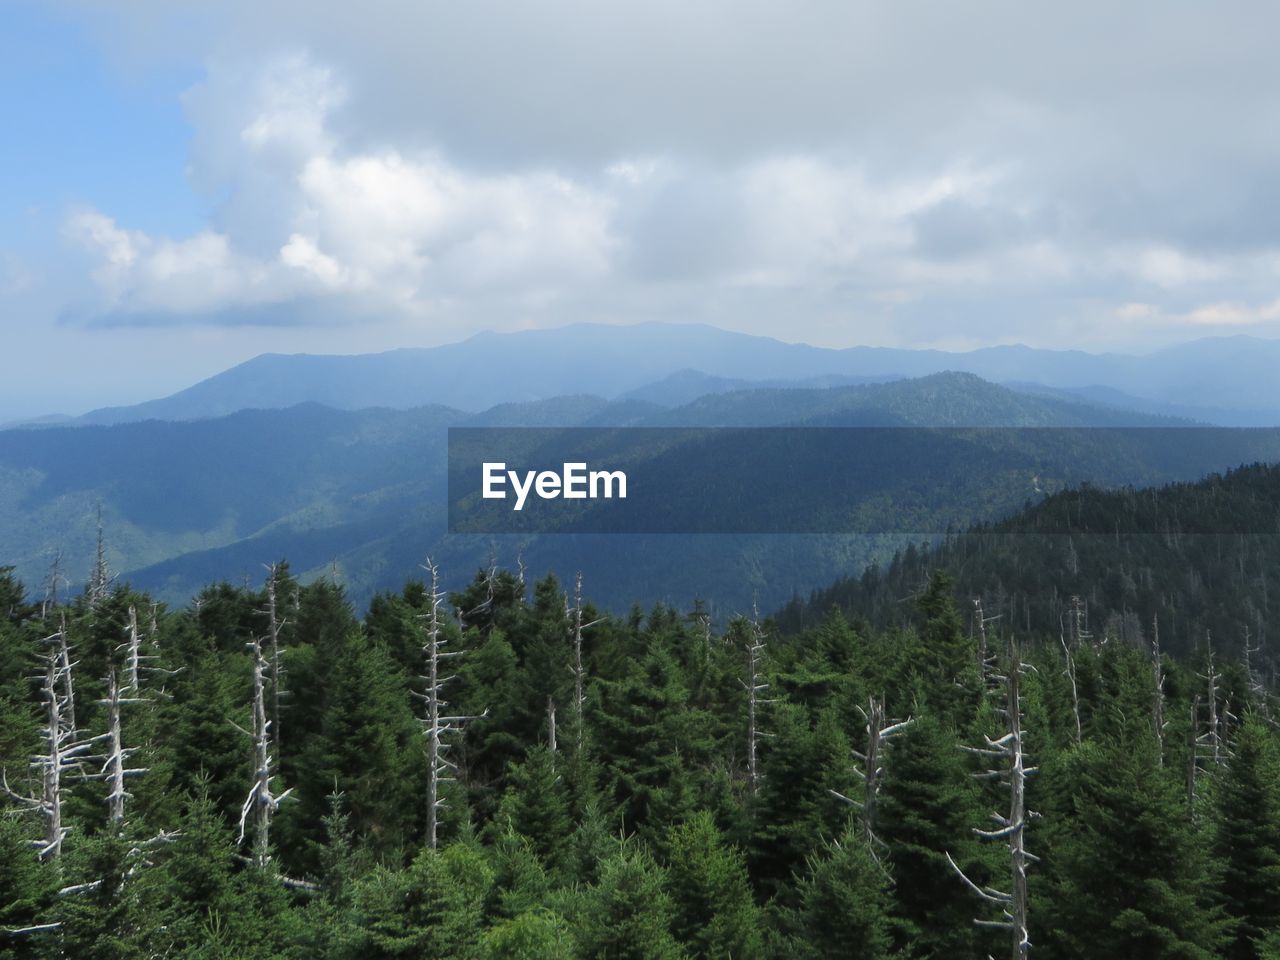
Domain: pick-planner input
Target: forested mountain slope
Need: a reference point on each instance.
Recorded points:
(259, 784)
(1202, 559)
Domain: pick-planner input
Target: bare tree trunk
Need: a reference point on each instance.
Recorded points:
(1017, 807)
(551, 724)
(434, 757)
(1193, 767)
(100, 582)
(1011, 829)
(1075, 691)
(879, 733)
(579, 671)
(261, 803)
(63, 651)
(985, 659)
(64, 751)
(115, 765)
(436, 725)
(275, 625)
(1211, 743)
(1257, 688)
(115, 768)
(755, 685)
(1157, 693)
(51, 584)
(136, 663)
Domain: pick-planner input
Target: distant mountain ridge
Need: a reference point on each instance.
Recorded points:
(1226, 380)
(187, 502)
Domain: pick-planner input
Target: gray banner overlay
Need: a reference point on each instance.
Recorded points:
(832, 480)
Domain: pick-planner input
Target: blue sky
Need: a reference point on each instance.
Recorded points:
(186, 185)
(79, 131)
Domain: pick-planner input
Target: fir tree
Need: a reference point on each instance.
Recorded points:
(714, 913)
(628, 916)
(845, 902)
(1247, 839)
(1127, 870)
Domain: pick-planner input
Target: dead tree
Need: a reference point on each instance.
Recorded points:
(100, 580)
(1157, 690)
(755, 684)
(275, 628)
(1257, 687)
(879, 733)
(437, 727)
(64, 750)
(1212, 743)
(1010, 830)
(52, 582)
(136, 662)
(551, 724)
(61, 648)
(262, 801)
(1193, 754)
(986, 660)
(1071, 677)
(702, 617)
(1079, 622)
(579, 670)
(491, 594)
(115, 762)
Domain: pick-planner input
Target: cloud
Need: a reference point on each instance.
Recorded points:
(1225, 313)
(304, 218)
(863, 172)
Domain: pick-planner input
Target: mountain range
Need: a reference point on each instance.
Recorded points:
(361, 493)
(1225, 380)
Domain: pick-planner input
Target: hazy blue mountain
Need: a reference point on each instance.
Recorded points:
(1110, 398)
(685, 386)
(670, 364)
(185, 502)
(940, 399)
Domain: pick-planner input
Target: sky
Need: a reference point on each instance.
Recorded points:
(184, 185)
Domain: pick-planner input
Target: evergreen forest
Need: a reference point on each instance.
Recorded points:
(912, 766)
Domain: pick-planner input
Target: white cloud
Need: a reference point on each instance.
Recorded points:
(395, 229)
(1223, 313)
(324, 206)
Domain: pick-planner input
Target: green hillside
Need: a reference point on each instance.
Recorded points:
(1202, 559)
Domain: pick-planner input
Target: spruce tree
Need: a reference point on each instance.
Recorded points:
(533, 935)
(629, 913)
(844, 903)
(928, 807)
(1247, 839)
(1127, 871)
(536, 805)
(714, 916)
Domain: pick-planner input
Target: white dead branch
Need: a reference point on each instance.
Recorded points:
(65, 749)
(437, 726)
(870, 771)
(579, 669)
(1010, 830)
(262, 801)
(755, 685)
(1158, 721)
